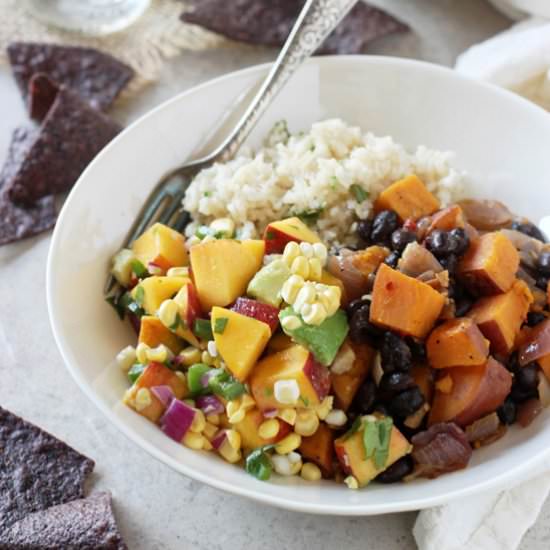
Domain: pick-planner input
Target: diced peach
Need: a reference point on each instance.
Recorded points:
(490, 264)
(475, 392)
(409, 198)
(447, 219)
(157, 289)
(279, 342)
(161, 246)
(367, 261)
(256, 248)
(248, 428)
(500, 317)
(404, 304)
(265, 313)
(278, 234)
(457, 343)
(153, 333)
(319, 449)
(294, 363)
(189, 310)
(155, 374)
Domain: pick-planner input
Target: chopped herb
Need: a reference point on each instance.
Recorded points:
(202, 232)
(202, 328)
(304, 400)
(136, 309)
(268, 392)
(207, 194)
(376, 440)
(312, 147)
(139, 269)
(219, 325)
(140, 296)
(354, 427)
(310, 216)
(114, 302)
(359, 193)
(135, 372)
(258, 463)
(223, 384)
(334, 183)
(177, 322)
(195, 379)
(269, 236)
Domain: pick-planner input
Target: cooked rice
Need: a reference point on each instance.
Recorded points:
(315, 171)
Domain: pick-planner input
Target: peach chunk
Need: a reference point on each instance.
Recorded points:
(319, 448)
(500, 317)
(278, 234)
(153, 333)
(457, 343)
(475, 392)
(248, 428)
(409, 198)
(404, 304)
(151, 292)
(490, 264)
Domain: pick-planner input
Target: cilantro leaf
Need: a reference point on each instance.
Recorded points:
(219, 325)
(140, 296)
(359, 193)
(203, 329)
(139, 269)
(258, 463)
(376, 440)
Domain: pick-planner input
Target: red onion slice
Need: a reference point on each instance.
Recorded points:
(537, 344)
(209, 404)
(163, 393)
(177, 420)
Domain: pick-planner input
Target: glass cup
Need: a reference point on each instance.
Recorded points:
(97, 17)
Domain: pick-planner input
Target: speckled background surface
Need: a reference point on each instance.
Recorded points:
(157, 508)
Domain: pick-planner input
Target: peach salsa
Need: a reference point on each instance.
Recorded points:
(387, 359)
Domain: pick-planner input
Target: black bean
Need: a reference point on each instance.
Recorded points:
(459, 241)
(543, 263)
(437, 242)
(418, 349)
(361, 330)
(383, 225)
(542, 282)
(535, 317)
(364, 399)
(355, 306)
(450, 263)
(520, 395)
(397, 471)
(513, 363)
(463, 305)
(507, 412)
(396, 382)
(396, 354)
(382, 409)
(364, 228)
(529, 229)
(400, 238)
(407, 402)
(528, 377)
(392, 259)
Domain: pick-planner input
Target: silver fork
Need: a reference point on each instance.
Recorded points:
(316, 21)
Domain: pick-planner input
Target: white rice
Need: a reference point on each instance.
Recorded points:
(312, 171)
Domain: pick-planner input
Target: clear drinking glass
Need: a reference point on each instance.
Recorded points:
(97, 17)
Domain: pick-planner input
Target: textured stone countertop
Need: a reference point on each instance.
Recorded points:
(157, 508)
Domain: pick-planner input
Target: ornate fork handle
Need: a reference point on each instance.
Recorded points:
(316, 21)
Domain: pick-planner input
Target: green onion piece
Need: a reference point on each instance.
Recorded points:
(309, 217)
(139, 269)
(135, 372)
(202, 232)
(114, 302)
(203, 329)
(140, 296)
(194, 379)
(304, 400)
(258, 463)
(376, 440)
(223, 384)
(359, 193)
(220, 324)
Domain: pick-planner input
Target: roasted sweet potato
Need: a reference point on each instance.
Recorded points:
(319, 448)
(423, 375)
(153, 333)
(447, 219)
(475, 392)
(345, 385)
(544, 363)
(367, 261)
(404, 304)
(490, 265)
(409, 197)
(500, 317)
(457, 343)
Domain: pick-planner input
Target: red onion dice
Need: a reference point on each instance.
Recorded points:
(163, 393)
(177, 420)
(209, 404)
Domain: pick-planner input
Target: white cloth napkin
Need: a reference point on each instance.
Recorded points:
(517, 59)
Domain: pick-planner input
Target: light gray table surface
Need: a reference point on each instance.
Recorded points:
(157, 508)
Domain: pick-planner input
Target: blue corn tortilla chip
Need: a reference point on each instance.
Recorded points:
(95, 76)
(87, 524)
(269, 23)
(42, 93)
(37, 470)
(17, 223)
(70, 136)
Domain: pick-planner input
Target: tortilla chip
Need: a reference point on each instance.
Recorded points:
(37, 470)
(269, 23)
(71, 135)
(87, 524)
(95, 76)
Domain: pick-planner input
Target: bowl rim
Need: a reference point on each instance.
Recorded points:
(514, 474)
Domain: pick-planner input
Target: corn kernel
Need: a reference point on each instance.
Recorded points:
(199, 422)
(193, 441)
(291, 288)
(206, 358)
(325, 407)
(294, 457)
(336, 418)
(160, 354)
(247, 402)
(281, 465)
(292, 322)
(351, 482)
(295, 467)
(212, 349)
(224, 227)
(310, 472)
(306, 295)
(268, 429)
(126, 358)
(143, 399)
(168, 313)
(234, 439)
(286, 392)
(306, 249)
(210, 430)
(315, 316)
(288, 416)
(288, 444)
(178, 272)
(213, 419)
(141, 353)
(321, 253)
(190, 356)
(300, 266)
(307, 423)
(230, 455)
(315, 269)
(206, 445)
(291, 252)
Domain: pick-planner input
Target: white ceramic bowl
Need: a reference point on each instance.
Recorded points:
(500, 139)
(519, 9)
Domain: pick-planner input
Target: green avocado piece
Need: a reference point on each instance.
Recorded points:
(324, 340)
(267, 283)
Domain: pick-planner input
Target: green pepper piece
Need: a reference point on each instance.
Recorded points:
(194, 378)
(258, 463)
(135, 372)
(203, 329)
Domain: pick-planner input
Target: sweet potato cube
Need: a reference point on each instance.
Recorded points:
(345, 385)
(544, 364)
(367, 261)
(319, 448)
(423, 375)
(447, 219)
(500, 317)
(457, 343)
(490, 265)
(403, 304)
(155, 374)
(409, 198)
(153, 333)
